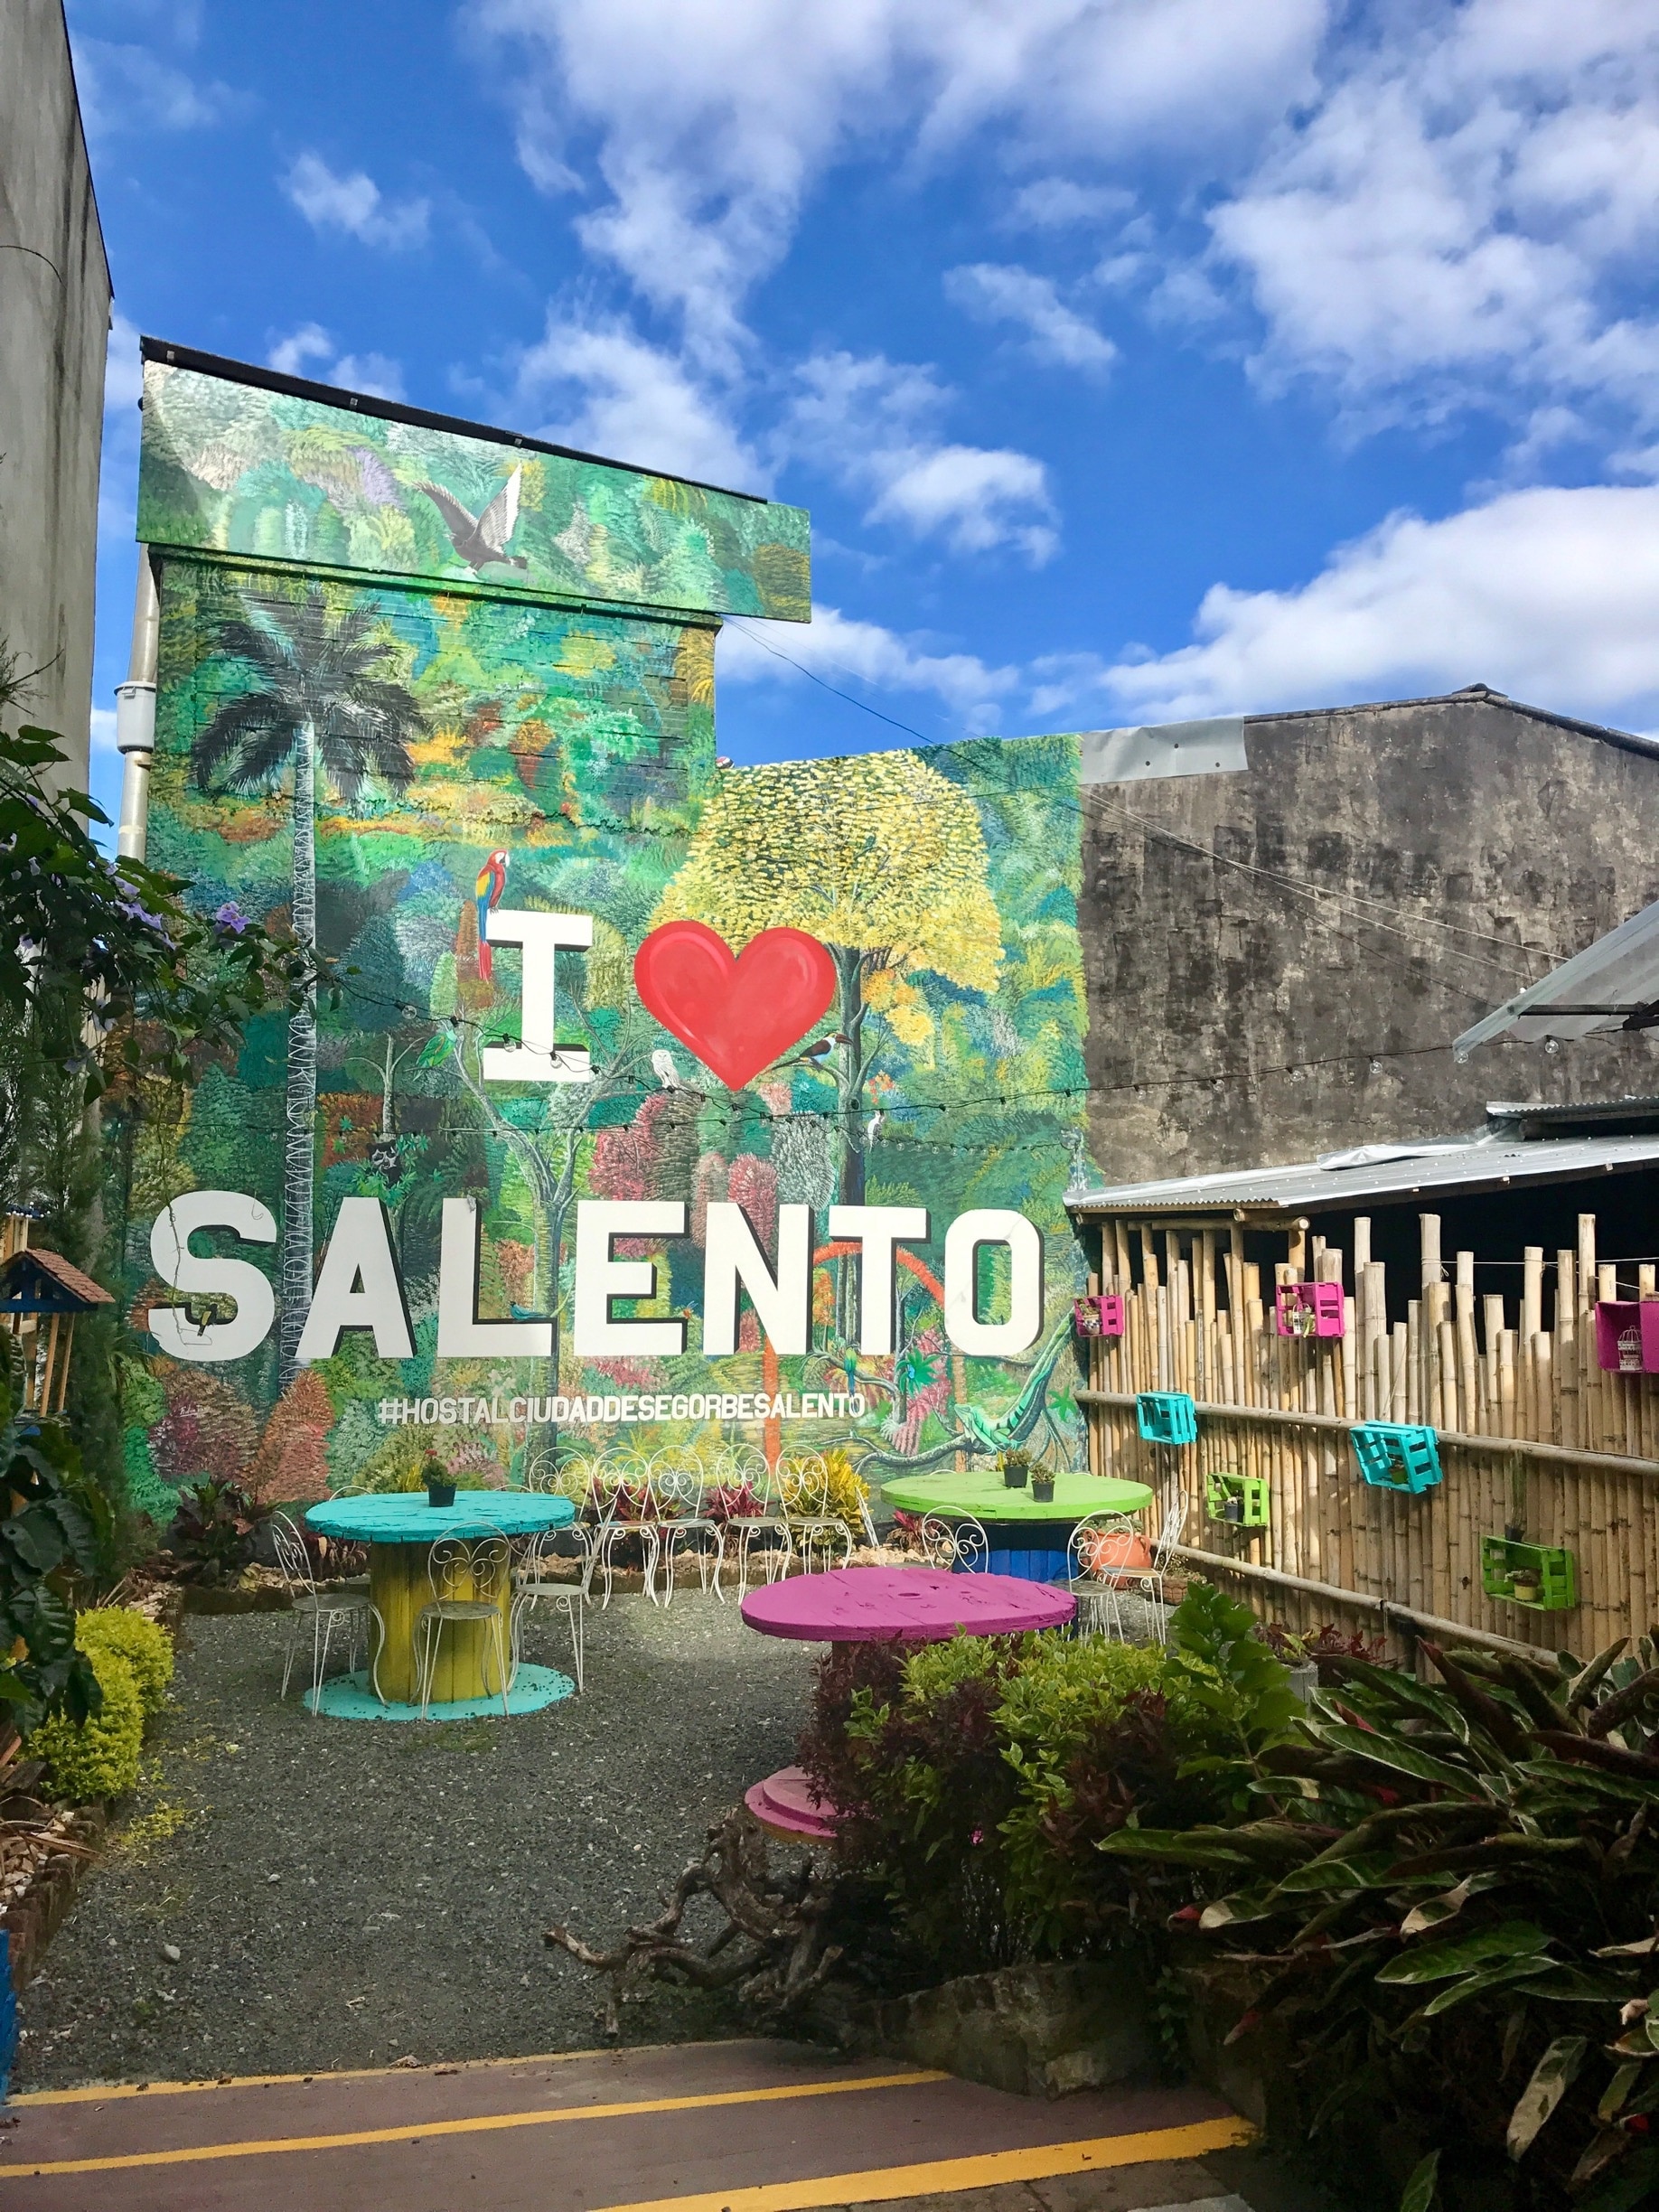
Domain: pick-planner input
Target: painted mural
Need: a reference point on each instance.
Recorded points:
(621, 1040)
(237, 468)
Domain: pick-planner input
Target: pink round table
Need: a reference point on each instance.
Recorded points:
(923, 1605)
(787, 1805)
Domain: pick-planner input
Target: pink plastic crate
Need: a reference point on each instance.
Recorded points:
(1309, 1310)
(1100, 1315)
(1627, 1335)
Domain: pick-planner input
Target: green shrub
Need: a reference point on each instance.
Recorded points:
(146, 1648)
(99, 1758)
(978, 1777)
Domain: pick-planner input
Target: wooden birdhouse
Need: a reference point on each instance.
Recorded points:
(41, 1296)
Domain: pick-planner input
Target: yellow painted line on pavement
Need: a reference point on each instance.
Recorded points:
(102, 2093)
(941, 2177)
(481, 2124)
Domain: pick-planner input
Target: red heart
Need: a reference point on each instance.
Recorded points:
(737, 1014)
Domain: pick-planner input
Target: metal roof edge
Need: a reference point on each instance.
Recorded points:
(1630, 741)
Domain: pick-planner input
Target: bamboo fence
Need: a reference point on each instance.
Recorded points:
(1538, 1443)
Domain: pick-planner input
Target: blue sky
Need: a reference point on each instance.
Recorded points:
(1137, 359)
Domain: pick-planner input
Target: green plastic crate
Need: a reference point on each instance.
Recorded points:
(1556, 1573)
(1249, 1492)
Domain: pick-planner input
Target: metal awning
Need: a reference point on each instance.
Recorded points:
(1372, 1174)
(1612, 984)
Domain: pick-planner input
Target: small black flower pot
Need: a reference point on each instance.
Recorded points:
(1043, 1489)
(1014, 1477)
(1234, 1511)
(440, 1493)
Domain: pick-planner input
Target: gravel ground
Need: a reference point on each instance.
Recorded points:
(291, 1894)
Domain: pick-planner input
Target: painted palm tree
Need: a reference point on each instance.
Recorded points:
(320, 706)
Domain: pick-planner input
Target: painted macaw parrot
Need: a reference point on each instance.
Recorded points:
(491, 883)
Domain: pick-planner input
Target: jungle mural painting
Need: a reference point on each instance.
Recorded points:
(434, 784)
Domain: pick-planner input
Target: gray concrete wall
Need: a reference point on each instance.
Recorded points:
(1452, 850)
(54, 321)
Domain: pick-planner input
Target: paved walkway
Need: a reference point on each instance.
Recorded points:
(714, 2127)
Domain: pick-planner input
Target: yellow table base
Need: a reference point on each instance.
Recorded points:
(400, 1586)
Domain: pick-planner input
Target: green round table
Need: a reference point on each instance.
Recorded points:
(1026, 1539)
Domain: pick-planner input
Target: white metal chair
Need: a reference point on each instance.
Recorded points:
(804, 1486)
(955, 1544)
(459, 1568)
(324, 1608)
(754, 1511)
(1151, 1585)
(1095, 1575)
(624, 1509)
(679, 1495)
(532, 1588)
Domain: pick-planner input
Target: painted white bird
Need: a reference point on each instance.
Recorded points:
(481, 540)
(662, 1067)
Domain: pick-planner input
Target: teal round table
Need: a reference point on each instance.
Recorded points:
(1027, 1538)
(401, 1528)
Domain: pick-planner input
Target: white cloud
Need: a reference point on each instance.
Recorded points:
(309, 351)
(871, 422)
(103, 729)
(128, 88)
(1056, 333)
(1462, 215)
(1545, 594)
(837, 646)
(712, 119)
(290, 355)
(1055, 203)
(355, 205)
(619, 397)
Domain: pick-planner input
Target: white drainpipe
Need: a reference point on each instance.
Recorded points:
(135, 714)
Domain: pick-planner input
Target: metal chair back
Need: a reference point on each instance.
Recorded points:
(293, 1559)
(467, 1568)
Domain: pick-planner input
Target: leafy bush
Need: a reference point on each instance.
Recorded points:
(977, 1777)
(845, 1494)
(145, 1647)
(216, 1527)
(1453, 1917)
(45, 1531)
(96, 1757)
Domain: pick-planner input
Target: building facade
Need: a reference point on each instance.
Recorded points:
(1280, 951)
(54, 324)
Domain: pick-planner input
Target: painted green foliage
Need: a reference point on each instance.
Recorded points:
(235, 469)
(582, 746)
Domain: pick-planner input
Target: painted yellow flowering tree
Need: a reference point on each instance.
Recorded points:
(881, 858)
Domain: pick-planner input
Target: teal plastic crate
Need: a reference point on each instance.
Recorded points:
(1166, 1417)
(1393, 1457)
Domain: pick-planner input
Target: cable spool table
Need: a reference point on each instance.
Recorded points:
(401, 1528)
(1027, 1538)
(919, 1605)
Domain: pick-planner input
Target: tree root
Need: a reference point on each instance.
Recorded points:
(772, 1951)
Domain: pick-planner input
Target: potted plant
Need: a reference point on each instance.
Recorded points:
(1042, 1485)
(440, 1483)
(1016, 1467)
(1524, 1587)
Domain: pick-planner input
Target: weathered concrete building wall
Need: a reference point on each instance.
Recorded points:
(1278, 960)
(54, 322)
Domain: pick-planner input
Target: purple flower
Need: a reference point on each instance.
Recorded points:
(132, 909)
(231, 919)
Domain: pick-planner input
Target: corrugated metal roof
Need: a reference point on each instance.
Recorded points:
(1372, 1172)
(1612, 984)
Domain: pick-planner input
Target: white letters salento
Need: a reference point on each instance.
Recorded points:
(360, 1284)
